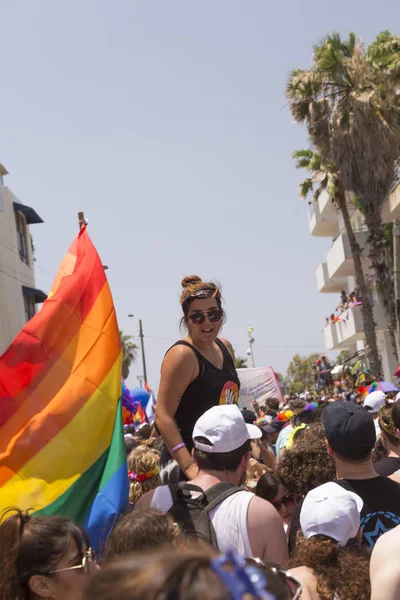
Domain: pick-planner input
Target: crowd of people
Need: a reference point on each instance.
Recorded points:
(299, 498)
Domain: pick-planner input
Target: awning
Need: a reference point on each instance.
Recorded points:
(31, 215)
(37, 294)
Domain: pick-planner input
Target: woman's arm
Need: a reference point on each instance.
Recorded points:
(179, 369)
(268, 456)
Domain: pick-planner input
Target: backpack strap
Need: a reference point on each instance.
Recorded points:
(218, 493)
(210, 499)
(183, 489)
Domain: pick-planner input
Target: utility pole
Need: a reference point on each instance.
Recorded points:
(251, 342)
(143, 353)
(396, 273)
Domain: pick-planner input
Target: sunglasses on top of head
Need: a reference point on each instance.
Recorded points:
(198, 318)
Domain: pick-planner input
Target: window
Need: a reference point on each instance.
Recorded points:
(21, 237)
(30, 309)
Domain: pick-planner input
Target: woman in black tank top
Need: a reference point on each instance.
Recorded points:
(197, 373)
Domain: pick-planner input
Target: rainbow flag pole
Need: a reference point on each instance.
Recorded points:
(61, 442)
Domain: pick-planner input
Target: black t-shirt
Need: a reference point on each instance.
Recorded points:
(380, 513)
(387, 466)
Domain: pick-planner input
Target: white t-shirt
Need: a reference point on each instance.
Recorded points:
(229, 519)
(283, 439)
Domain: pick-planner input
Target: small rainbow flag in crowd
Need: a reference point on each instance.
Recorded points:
(140, 416)
(61, 440)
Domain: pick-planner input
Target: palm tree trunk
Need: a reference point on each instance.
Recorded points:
(373, 356)
(379, 254)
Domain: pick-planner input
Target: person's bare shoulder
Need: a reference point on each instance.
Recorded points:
(388, 542)
(266, 533)
(307, 578)
(384, 569)
(180, 354)
(180, 360)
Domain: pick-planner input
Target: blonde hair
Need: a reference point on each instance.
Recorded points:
(142, 460)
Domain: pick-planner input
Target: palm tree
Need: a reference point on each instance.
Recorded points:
(324, 177)
(241, 362)
(349, 101)
(129, 351)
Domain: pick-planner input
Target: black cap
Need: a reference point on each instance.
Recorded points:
(349, 429)
(274, 427)
(248, 416)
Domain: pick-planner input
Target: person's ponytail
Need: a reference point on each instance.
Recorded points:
(10, 534)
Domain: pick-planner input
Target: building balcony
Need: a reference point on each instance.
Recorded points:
(339, 259)
(330, 336)
(325, 284)
(349, 329)
(323, 222)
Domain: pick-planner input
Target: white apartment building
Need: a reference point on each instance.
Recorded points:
(18, 293)
(336, 273)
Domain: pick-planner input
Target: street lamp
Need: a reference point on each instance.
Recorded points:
(251, 342)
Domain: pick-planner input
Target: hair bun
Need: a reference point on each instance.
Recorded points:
(191, 280)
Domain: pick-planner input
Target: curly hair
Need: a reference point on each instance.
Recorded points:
(340, 571)
(307, 464)
(141, 460)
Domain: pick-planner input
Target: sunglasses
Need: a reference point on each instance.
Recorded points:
(294, 585)
(286, 500)
(88, 558)
(198, 318)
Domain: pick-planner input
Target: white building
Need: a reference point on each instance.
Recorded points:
(18, 293)
(336, 273)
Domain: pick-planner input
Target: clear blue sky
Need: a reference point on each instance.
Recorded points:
(166, 123)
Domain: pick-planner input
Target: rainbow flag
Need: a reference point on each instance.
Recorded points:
(140, 416)
(61, 441)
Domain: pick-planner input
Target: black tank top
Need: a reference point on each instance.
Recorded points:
(212, 387)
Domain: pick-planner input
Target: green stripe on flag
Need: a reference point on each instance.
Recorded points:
(117, 453)
(76, 501)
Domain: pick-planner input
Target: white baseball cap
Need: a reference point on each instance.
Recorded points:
(225, 429)
(375, 401)
(332, 511)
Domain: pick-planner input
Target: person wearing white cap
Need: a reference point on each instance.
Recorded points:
(242, 522)
(373, 404)
(328, 556)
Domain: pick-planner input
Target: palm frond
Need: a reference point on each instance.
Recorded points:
(305, 153)
(306, 187)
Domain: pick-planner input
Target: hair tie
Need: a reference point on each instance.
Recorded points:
(141, 477)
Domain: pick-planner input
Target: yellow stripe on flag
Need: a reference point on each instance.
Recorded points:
(77, 446)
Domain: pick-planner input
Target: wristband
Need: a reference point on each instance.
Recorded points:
(177, 447)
